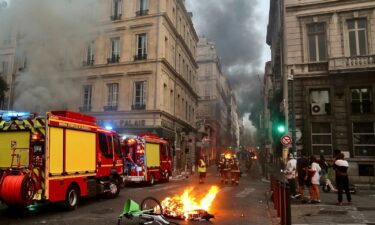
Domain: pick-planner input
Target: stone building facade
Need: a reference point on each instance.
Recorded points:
(322, 72)
(217, 112)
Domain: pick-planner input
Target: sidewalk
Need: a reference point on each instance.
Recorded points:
(361, 211)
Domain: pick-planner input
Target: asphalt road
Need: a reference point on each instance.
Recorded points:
(234, 205)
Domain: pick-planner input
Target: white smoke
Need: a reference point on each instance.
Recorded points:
(52, 36)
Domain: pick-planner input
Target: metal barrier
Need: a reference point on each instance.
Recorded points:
(281, 200)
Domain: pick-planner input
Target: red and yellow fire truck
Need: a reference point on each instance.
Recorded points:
(58, 158)
(147, 158)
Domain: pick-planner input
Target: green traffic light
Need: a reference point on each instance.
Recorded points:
(281, 128)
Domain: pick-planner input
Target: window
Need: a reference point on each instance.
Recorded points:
(90, 53)
(317, 42)
(139, 95)
(364, 138)
(366, 170)
(208, 71)
(87, 92)
(321, 138)
(116, 9)
(114, 55)
(357, 37)
(141, 51)
(142, 7)
(4, 72)
(319, 102)
(112, 99)
(361, 100)
(104, 146)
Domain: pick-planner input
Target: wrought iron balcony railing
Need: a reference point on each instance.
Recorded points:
(88, 63)
(113, 59)
(140, 57)
(139, 107)
(110, 108)
(85, 108)
(142, 12)
(116, 17)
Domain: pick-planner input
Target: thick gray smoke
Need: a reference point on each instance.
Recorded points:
(236, 28)
(51, 36)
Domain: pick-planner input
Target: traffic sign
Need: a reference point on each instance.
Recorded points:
(286, 140)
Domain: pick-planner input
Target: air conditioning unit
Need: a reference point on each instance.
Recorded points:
(318, 109)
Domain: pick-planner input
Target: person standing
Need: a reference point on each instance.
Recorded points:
(302, 166)
(235, 171)
(342, 180)
(290, 174)
(201, 169)
(314, 170)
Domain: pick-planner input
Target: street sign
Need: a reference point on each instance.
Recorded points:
(286, 140)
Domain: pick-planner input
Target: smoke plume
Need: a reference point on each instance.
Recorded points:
(50, 37)
(239, 33)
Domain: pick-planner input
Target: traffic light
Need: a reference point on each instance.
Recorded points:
(281, 128)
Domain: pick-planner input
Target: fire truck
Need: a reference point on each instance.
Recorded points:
(61, 157)
(147, 158)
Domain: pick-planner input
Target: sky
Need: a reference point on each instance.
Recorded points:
(239, 29)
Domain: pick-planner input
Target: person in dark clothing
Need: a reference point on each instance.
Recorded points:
(342, 180)
(302, 166)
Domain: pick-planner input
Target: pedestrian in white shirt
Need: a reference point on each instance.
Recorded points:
(314, 175)
(290, 174)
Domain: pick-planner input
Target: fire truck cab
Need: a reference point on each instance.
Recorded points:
(58, 158)
(147, 158)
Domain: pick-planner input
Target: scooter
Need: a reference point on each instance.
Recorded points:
(328, 187)
(150, 212)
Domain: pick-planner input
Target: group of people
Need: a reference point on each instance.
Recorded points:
(229, 165)
(310, 171)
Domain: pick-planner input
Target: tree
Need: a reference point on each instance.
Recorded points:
(3, 89)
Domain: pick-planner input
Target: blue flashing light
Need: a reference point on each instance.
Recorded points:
(108, 127)
(8, 115)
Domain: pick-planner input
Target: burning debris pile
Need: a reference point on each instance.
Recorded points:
(186, 206)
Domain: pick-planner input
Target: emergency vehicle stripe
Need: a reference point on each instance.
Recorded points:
(20, 124)
(73, 176)
(2, 123)
(31, 127)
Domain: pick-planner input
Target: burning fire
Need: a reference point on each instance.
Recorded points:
(185, 205)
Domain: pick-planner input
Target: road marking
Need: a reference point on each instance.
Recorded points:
(226, 189)
(245, 192)
(163, 188)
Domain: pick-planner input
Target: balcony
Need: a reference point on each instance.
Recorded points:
(353, 63)
(116, 17)
(317, 66)
(139, 107)
(89, 62)
(142, 12)
(140, 57)
(114, 59)
(110, 108)
(85, 108)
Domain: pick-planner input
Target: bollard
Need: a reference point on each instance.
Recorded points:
(282, 204)
(279, 199)
(288, 212)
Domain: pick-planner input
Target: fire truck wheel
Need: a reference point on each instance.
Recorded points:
(151, 182)
(72, 197)
(114, 189)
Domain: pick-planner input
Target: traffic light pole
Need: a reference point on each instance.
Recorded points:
(293, 118)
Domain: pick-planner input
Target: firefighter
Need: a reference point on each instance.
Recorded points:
(201, 169)
(235, 170)
(224, 168)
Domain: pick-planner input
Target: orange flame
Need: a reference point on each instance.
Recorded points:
(185, 204)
